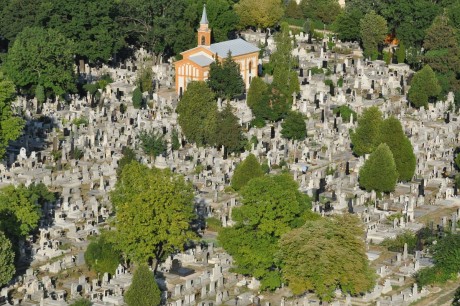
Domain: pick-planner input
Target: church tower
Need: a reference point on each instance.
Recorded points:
(204, 32)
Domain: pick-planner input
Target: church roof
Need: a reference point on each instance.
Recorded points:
(236, 47)
(201, 60)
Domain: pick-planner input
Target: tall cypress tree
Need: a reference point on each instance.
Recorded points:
(393, 135)
(366, 136)
(379, 171)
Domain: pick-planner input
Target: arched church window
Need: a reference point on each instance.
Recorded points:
(250, 66)
(203, 40)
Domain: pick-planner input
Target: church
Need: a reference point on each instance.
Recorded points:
(195, 63)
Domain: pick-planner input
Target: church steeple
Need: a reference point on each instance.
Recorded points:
(204, 16)
(204, 32)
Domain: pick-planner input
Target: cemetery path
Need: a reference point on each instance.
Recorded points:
(442, 298)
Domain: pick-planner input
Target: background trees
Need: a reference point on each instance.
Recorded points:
(272, 205)
(154, 211)
(259, 13)
(379, 171)
(42, 57)
(197, 113)
(373, 28)
(91, 25)
(144, 289)
(325, 254)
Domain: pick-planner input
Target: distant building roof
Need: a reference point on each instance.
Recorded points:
(201, 60)
(236, 47)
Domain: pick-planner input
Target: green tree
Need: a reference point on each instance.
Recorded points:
(325, 254)
(223, 19)
(391, 133)
(424, 87)
(228, 130)
(285, 80)
(154, 211)
(90, 24)
(294, 126)
(246, 171)
(40, 94)
(257, 95)
(379, 171)
(271, 206)
(259, 13)
(366, 136)
(347, 25)
(401, 53)
(225, 78)
(138, 100)
(28, 61)
(373, 32)
(152, 143)
(102, 256)
(144, 289)
(10, 124)
(7, 268)
(197, 114)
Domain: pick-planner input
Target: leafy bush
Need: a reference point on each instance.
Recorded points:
(397, 244)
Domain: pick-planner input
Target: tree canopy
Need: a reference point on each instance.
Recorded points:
(325, 254)
(272, 206)
(197, 113)
(144, 289)
(7, 268)
(379, 172)
(324, 10)
(246, 171)
(152, 143)
(42, 57)
(91, 25)
(19, 211)
(154, 212)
